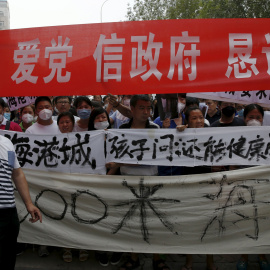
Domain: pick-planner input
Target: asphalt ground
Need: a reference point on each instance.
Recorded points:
(30, 260)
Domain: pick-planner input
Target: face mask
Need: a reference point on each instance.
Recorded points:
(126, 102)
(241, 113)
(101, 125)
(45, 114)
(180, 107)
(27, 118)
(228, 111)
(84, 113)
(1, 118)
(35, 118)
(7, 116)
(56, 110)
(254, 123)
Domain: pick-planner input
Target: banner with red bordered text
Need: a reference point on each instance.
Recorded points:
(168, 56)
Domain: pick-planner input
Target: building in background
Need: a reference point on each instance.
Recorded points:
(4, 15)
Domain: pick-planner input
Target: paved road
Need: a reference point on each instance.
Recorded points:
(29, 260)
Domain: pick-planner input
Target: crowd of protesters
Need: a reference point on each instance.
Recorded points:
(64, 114)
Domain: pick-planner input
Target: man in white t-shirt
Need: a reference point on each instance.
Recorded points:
(62, 104)
(140, 106)
(9, 222)
(45, 124)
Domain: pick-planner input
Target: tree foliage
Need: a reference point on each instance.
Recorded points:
(190, 9)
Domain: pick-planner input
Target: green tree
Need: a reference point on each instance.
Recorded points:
(148, 10)
(235, 9)
(184, 9)
(190, 9)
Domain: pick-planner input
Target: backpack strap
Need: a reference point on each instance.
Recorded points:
(7, 125)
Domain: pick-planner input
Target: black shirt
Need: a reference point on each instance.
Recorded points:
(148, 124)
(236, 122)
(213, 118)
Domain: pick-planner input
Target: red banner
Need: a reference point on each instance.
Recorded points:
(169, 56)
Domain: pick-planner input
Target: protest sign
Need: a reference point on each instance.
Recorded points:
(242, 97)
(168, 56)
(65, 152)
(84, 152)
(193, 147)
(201, 214)
(15, 103)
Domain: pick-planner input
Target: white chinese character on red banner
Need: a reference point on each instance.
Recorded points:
(26, 57)
(57, 55)
(240, 55)
(138, 54)
(266, 50)
(108, 58)
(177, 56)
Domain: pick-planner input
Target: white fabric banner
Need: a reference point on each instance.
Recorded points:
(65, 152)
(84, 152)
(218, 213)
(261, 97)
(15, 103)
(193, 147)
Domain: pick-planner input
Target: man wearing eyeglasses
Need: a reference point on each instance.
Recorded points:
(62, 104)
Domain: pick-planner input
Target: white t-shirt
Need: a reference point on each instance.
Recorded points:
(78, 129)
(8, 162)
(37, 128)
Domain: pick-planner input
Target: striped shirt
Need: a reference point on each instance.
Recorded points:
(8, 162)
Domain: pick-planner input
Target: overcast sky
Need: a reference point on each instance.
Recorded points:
(36, 13)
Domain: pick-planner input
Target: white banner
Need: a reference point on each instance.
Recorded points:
(15, 103)
(218, 213)
(84, 152)
(193, 147)
(65, 152)
(261, 97)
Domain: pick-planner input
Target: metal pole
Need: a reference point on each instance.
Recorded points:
(101, 10)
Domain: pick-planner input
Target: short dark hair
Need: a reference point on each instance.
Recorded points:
(192, 101)
(96, 104)
(42, 98)
(104, 98)
(29, 105)
(134, 99)
(182, 95)
(94, 114)
(69, 114)
(2, 103)
(59, 97)
(220, 102)
(78, 101)
(189, 110)
(252, 107)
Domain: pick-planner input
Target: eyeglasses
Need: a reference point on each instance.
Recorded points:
(62, 102)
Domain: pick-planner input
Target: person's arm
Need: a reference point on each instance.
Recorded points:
(112, 171)
(22, 187)
(109, 108)
(120, 107)
(115, 165)
(166, 123)
(181, 128)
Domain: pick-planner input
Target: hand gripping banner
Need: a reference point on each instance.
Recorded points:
(169, 56)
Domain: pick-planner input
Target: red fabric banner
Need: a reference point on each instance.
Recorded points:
(169, 56)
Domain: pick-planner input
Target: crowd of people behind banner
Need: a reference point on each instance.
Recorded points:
(64, 114)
